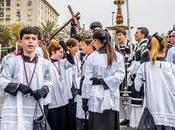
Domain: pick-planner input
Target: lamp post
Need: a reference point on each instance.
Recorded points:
(119, 16)
(128, 21)
(129, 27)
(113, 18)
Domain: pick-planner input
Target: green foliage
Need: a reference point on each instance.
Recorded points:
(5, 36)
(65, 33)
(15, 30)
(165, 39)
(48, 28)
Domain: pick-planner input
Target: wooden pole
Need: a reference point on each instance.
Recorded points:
(72, 13)
(43, 46)
(59, 29)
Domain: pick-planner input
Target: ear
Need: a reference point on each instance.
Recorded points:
(53, 52)
(19, 43)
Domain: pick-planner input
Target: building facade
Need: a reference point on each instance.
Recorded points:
(28, 12)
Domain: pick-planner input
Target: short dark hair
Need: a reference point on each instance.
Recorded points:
(8, 50)
(39, 32)
(13, 49)
(95, 24)
(72, 42)
(144, 31)
(120, 30)
(170, 31)
(29, 30)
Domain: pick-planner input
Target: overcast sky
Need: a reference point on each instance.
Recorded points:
(157, 15)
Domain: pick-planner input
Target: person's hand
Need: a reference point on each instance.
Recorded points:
(105, 86)
(25, 89)
(12, 88)
(40, 93)
(85, 104)
(95, 81)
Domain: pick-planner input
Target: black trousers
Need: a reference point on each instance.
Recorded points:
(103, 121)
(71, 111)
(57, 118)
(82, 124)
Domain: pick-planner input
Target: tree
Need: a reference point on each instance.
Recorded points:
(5, 36)
(15, 30)
(48, 28)
(65, 33)
(165, 39)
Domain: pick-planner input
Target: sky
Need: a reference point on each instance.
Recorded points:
(156, 15)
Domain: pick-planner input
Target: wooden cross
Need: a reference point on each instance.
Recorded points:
(63, 26)
(55, 32)
(72, 13)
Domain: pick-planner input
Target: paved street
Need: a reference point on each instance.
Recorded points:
(126, 128)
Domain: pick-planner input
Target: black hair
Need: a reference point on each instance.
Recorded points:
(105, 38)
(160, 41)
(71, 42)
(39, 32)
(13, 49)
(120, 30)
(95, 24)
(8, 50)
(170, 31)
(144, 30)
(29, 30)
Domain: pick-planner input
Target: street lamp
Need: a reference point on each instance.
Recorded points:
(113, 18)
(128, 21)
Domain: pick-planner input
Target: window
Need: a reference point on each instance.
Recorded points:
(29, 20)
(1, 4)
(17, 4)
(30, 3)
(1, 14)
(18, 13)
(7, 18)
(29, 14)
(8, 2)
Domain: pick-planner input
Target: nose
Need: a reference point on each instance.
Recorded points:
(30, 39)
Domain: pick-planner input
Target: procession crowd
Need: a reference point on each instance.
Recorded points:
(88, 82)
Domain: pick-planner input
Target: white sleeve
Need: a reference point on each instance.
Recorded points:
(47, 82)
(139, 78)
(87, 83)
(7, 74)
(115, 80)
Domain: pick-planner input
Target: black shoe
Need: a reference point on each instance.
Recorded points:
(125, 122)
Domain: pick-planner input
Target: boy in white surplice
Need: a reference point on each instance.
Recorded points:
(25, 79)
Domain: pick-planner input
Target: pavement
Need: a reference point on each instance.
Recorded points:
(126, 128)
